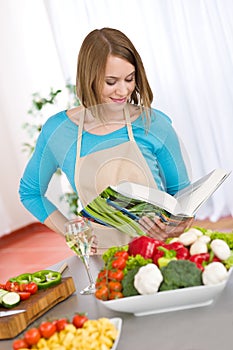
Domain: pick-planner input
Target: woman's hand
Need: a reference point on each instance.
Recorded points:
(155, 228)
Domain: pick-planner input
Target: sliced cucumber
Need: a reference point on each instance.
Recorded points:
(2, 292)
(10, 299)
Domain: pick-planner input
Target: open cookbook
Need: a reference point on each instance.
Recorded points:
(123, 205)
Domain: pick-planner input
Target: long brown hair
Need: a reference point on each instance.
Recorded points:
(92, 58)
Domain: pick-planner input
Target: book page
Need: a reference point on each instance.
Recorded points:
(192, 197)
(150, 195)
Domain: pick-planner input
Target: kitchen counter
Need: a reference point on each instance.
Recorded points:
(203, 328)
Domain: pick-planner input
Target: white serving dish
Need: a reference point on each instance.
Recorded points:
(172, 300)
(117, 322)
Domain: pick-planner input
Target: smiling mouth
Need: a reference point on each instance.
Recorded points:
(119, 100)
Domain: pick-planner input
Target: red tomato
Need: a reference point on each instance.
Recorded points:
(31, 287)
(101, 283)
(79, 320)
(2, 286)
(123, 254)
(61, 323)
(119, 263)
(22, 287)
(20, 344)
(115, 295)
(102, 293)
(12, 286)
(115, 286)
(24, 295)
(47, 329)
(32, 336)
(102, 274)
(117, 275)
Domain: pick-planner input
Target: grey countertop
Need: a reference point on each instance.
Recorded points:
(203, 328)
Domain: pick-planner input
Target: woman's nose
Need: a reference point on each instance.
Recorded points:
(122, 89)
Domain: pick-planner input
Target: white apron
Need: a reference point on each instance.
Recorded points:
(98, 170)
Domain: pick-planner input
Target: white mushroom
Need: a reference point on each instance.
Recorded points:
(198, 247)
(187, 238)
(220, 249)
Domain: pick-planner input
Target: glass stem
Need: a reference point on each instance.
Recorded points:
(87, 266)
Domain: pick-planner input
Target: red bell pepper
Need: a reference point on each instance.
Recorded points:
(143, 245)
(170, 251)
(182, 253)
(200, 259)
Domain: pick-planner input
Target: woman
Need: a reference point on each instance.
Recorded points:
(113, 136)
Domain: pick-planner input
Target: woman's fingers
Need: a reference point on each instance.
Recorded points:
(157, 229)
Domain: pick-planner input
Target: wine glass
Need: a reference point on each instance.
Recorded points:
(80, 238)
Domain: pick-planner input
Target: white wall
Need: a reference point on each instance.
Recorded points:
(28, 64)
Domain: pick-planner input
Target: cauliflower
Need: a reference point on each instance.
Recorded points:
(148, 279)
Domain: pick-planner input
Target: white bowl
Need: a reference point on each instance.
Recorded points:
(172, 300)
(117, 322)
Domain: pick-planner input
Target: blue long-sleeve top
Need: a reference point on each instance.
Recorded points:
(56, 148)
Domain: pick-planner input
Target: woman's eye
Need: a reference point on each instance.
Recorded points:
(110, 83)
(129, 80)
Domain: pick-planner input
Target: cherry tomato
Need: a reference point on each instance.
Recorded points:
(20, 344)
(117, 275)
(79, 320)
(100, 283)
(32, 336)
(47, 329)
(119, 263)
(2, 286)
(115, 286)
(31, 287)
(22, 287)
(115, 295)
(122, 253)
(102, 293)
(61, 323)
(102, 274)
(24, 295)
(12, 286)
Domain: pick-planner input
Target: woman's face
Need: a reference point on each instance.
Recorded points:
(119, 81)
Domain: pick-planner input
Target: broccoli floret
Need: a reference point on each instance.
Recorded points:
(128, 283)
(180, 274)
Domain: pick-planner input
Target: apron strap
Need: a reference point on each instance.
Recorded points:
(80, 130)
(128, 124)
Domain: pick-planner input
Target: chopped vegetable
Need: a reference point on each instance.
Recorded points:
(180, 274)
(148, 279)
(46, 278)
(10, 299)
(24, 278)
(214, 273)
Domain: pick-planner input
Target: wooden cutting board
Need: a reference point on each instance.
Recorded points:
(35, 306)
